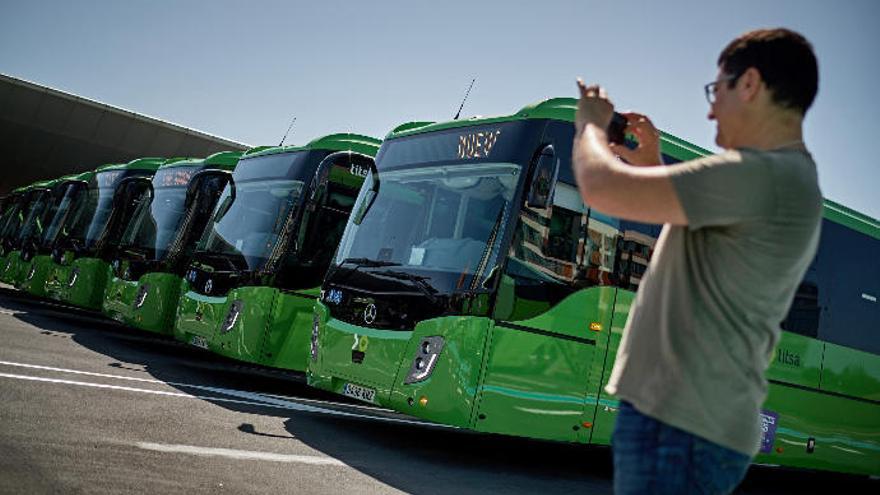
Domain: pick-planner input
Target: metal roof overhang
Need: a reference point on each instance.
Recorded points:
(46, 133)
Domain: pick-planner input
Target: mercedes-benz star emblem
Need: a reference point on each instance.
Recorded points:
(208, 286)
(370, 314)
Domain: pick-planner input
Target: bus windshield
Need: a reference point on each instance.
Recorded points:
(32, 225)
(253, 210)
(94, 213)
(154, 224)
(72, 194)
(12, 218)
(440, 223)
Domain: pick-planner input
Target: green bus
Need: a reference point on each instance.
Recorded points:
(82, 256)
(35, 227)
(20, 228)
(473, 288)
(10, 221)
(70, 192)
(156, 246)
(8, 204)
(257, 269)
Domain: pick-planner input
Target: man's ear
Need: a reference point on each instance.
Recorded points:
(749, 85)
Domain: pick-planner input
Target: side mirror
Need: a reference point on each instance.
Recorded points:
(367, 196)
(223, 177)
(227, 203)
(340, 174)
(543, 180)
(123, 196)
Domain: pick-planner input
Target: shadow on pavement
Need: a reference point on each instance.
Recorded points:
(420, 459)
(432, 460)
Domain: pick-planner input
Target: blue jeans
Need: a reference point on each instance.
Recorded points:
(653, 457)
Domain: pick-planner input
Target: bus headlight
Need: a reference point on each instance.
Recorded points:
(313, 343)
(74, 274)
(232, 316)
(141, 297)
(425, 360)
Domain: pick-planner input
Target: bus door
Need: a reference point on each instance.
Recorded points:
(549, 318)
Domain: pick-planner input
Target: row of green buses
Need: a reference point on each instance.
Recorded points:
(450, 272)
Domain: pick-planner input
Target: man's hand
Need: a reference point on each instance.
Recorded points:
(648, 151)
(593, 108)
(642, 194)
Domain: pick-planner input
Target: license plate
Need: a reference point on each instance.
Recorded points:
(357, 392)
(199, 341)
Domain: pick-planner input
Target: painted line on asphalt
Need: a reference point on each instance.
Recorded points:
(241, 454)
(242, 397)
(222, 390)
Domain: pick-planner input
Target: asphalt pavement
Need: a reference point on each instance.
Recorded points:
(88, 406)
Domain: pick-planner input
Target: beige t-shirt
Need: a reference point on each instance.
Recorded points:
(706, 317)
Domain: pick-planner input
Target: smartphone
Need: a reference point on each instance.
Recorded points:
(617, 128)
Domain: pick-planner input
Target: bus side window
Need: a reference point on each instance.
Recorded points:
(635, 246)
(852, 271)
(546, 261)
(805, 312)
(600, 254)
(336, 187)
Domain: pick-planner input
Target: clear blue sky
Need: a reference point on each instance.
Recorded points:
(241, 69)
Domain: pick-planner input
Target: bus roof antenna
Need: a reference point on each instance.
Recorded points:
(286, 133)
(465, 99)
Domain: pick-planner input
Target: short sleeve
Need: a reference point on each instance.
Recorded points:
(726, 189)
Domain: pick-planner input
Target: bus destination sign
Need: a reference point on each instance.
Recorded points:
(477, 144)
(179, 176)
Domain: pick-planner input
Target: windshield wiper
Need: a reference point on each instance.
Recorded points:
(226, 258)
(360, 262)
(420, 281)
(490, 244)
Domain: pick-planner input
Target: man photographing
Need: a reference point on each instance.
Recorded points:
(740, 231)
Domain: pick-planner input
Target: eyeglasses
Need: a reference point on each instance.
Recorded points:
(712, 88)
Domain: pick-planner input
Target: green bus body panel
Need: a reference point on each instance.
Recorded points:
(119, 298)
(156, 315)
(520, 363)
(244, 340)
(384, 352)
(852, 219)
(852, 372)
(333, 142)
(87, 290)
(157, 312)
(34, 282)
(606, 410)
(534, 385)
(804, 414)
(196, 315)
(451, 390)
(12, 271)
(56, 281)
(286, 342)
(272, 329)
(797, 360)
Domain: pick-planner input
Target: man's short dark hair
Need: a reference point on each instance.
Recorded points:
(785, 60)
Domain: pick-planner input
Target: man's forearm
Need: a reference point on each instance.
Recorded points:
(594, 163)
